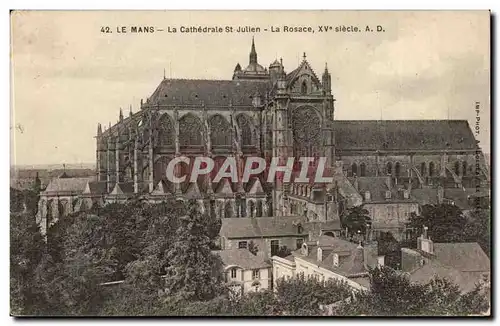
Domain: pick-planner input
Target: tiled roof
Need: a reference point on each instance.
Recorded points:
(260, 227)
(123, 188)
(435, 269)
(465, 257)
(242, 258)
(403, 134)
(425, 196)
(332, 225)
(74, 185)
(97, 187)
(351, 256)
(209, 92)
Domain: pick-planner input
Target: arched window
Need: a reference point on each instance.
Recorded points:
(362, 168)
(166, 131)
(306, 128)
(220, 130)
(431, 169)
(303, 88)
(246, 128)
(457, 168)
(389, 168)
(397, 169)
(354, 169)
(190, 129)
(464, 168)
(423, 169)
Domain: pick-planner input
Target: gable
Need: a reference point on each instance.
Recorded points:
(117, 190)
(161, 188)
(224, 187)
(255, 187)
(303, 74)
(193, 191)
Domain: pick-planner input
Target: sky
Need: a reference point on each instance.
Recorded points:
(67, 76)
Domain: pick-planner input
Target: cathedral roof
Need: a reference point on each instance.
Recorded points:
(257, 227)
(67, 185)
(403, 134)
(209, 92)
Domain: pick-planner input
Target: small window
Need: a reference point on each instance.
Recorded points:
(303, 88)
(242, 245)
(275, 247)
(256, 274)
(362, 169)
(354, 169)
(233, 273)
(299, 243)
(389, 168)
(431, 169)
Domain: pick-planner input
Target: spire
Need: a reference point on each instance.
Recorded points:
(253, 53)
(304, 56)
(164, 76)
(121, 114)
(109, 125)
(130, 112)
(99, 130)
(327, 80)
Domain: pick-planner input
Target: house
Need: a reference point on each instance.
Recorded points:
(465, 264)
(268, 233)
(389, 204)
(244, 271)
(329, 258)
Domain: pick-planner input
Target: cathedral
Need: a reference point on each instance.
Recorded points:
(391, 167)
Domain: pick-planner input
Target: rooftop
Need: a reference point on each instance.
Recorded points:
(261, 227)
(403, 134)
(242, 258)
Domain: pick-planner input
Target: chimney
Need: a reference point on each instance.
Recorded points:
(305, 249)
(424, 242)
(440, 194)
(336, 260)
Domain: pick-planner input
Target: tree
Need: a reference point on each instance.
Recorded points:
(393, 294)
(193, 271)
(390, 248)
(355, 219)
(477, 229)
(26, 251)
(253, 248)
(283, 252)
(303, 296)
(445, 222)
